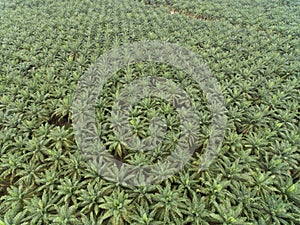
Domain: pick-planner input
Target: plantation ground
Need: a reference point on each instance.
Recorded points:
(252, 49)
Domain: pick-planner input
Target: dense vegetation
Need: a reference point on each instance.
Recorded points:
(252, 48)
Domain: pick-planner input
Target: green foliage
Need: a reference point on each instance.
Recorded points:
(117, 207)
(252, 48)
(169, 203)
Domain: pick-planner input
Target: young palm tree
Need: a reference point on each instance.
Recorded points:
(91, 197)
(66, 215)
(168, 202)
(118, 207)
(61, 138)
(196, 210)
(13, 216)
(15, 198)
(40, 208)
